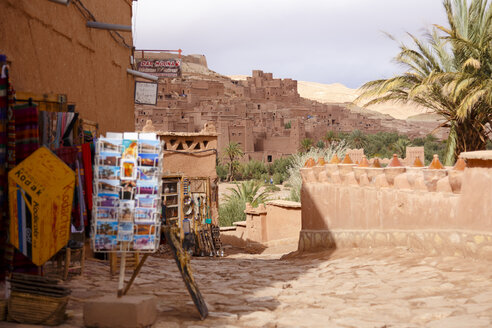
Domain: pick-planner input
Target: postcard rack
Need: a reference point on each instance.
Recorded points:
(127, 193)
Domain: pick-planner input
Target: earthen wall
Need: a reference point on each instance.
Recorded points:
(51, 51)
(441, 211)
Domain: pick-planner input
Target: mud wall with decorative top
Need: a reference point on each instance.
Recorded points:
(445, 210)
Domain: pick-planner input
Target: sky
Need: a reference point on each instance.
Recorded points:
(325, 41)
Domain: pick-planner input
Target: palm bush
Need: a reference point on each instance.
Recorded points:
(234, 204)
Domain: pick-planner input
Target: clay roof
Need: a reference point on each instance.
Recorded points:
(436, 163)
(417, 162)
(364, 162)
(460, 164)
(347, 160)
(376, 163)
(395, 162)
(310, 162)
(335, 159)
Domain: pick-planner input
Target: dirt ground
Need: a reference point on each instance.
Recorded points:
(359, 288)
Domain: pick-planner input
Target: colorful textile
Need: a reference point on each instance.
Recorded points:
(3, 174)
(56, 128)
(23, 140)
(25, 131)
(87, 160)
(72, 156)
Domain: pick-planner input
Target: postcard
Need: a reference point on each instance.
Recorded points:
(108, 186)
(148, 159)
(128, 189)
(105, 242)
(126, 210)
(109, 159)
(108, 213)
(128, 169)
(109, 145)
(108, 172)
(130, 149)
(145, 215)
(149, 146)
(148, 173)
(142, 242)
(107, 227)
(108, 199)
(144, 229)
(147, 201)
(125, 231)
(147, 187)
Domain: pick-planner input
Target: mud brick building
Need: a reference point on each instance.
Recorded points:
(265, 115)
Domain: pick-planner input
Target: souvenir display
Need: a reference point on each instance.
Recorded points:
(127, 193)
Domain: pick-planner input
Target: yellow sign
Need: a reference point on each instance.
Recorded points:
(40, 199)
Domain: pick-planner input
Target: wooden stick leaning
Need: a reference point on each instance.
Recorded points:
(135, 273)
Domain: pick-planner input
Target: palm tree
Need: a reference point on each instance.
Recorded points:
(357, 139)
(331, 137)
(233, 152)
(306, 145)
(400, 147)
(448, 72)
(248, 192)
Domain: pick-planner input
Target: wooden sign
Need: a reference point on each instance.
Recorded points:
(40, 201)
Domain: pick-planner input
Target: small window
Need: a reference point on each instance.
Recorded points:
(269, 158)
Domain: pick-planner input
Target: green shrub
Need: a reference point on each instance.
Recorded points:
(272, 188)
(264, 178)
(221, 172)
(231, 211)
(253, 170)
(278, 178)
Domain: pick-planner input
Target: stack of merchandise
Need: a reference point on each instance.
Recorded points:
(127, 193)
(36, 300)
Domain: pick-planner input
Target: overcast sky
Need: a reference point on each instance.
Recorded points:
(324, 41)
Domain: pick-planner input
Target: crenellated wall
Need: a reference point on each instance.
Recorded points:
(439, 210)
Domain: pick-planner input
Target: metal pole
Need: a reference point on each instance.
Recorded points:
(142, 75)
(107, 26)
(63, 2)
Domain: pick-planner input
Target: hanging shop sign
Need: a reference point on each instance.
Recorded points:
(145, 93)
(127, 197)
(160, 67)
(40, 201)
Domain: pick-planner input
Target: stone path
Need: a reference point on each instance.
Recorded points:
(348, 288)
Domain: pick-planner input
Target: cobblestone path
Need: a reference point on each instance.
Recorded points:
(347, 288)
